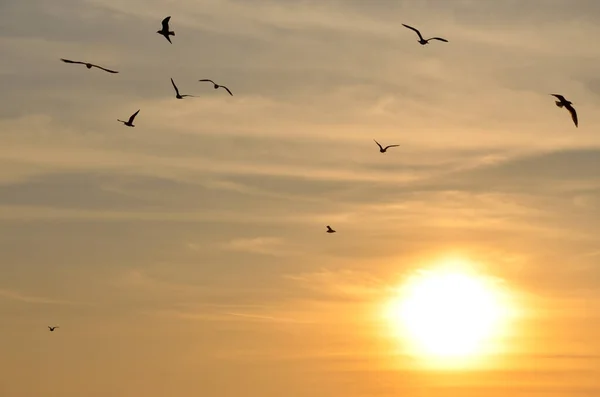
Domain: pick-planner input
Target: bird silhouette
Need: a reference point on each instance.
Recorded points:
(89, 65)
(165, 30)
(129, 123)
(423, 41)
(330, 230)
(384, 149)
(216, 86)
(178, 96)
(562, 102)
(52, 328)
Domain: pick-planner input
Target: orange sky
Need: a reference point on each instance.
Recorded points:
(189, 256)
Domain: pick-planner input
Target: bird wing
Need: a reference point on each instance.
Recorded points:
(389, 146)
(165, 23)
(133, 116)
(226, 89)
(438, 38)
(69, 61)
(168, 38)
(207, 80)
(560, 97)
(415, 30)
(380, 147)
(193, 96)
(571, 110)
(106, 70)
(174, 86)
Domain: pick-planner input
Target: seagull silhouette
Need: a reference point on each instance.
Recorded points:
(129, 123)
(562, 102)
(52, 328)
(330, 230)
(88, 65)
(216, 86)
(177, 91)
(423, 41)
(165, 29)
(384, 149)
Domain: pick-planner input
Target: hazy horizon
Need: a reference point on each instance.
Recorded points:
(188, 255)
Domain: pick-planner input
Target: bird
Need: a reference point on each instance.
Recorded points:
(89, 65)
(562, 102)
(330, 230)
(52, 328)
(129, 123)
(423, 41)
(165, 29)
(178, 96)
(216, 86)
(384, 149)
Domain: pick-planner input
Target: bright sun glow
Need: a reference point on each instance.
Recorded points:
(449, 315)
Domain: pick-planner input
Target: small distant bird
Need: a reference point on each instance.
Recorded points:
(423, 41)
(330, 230)
(216, 86)
(165, 29)
(384, 149)
(52, 328)
(177, 91)
(129, 123)
(89, 65)
(562, 102)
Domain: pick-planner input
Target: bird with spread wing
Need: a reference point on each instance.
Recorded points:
(421, 40)
(562, 102)
(88, 65)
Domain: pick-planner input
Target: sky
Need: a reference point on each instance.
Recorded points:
(188, 255)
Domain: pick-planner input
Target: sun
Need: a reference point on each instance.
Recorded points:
(449, 315)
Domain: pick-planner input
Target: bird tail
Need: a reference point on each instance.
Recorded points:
(171, 33)
(559, 104)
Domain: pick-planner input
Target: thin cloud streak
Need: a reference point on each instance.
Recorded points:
(267, 318)
(17, 296)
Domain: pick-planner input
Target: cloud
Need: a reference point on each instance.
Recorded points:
(344, 284)
(140, 279)
(17, 296)
(259, 245)
(272, 314)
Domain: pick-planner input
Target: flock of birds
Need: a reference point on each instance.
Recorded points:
(167, 33)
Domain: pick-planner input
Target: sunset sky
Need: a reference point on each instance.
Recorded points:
(188, 256)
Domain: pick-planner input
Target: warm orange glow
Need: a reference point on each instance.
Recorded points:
(449, 316)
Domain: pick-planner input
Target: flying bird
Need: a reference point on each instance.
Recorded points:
(330, 230)
(129, 123)
(89, 65)
(562, 102)
(216, 86)
(384, 149)
(178, 96)
(165, 29)
(423, 41)
(52, 328)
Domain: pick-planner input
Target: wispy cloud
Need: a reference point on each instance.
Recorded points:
(215, 315)
(18, 296)
(342, 284)
(260, 245)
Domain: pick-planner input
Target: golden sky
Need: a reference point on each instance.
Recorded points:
(188, 255)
